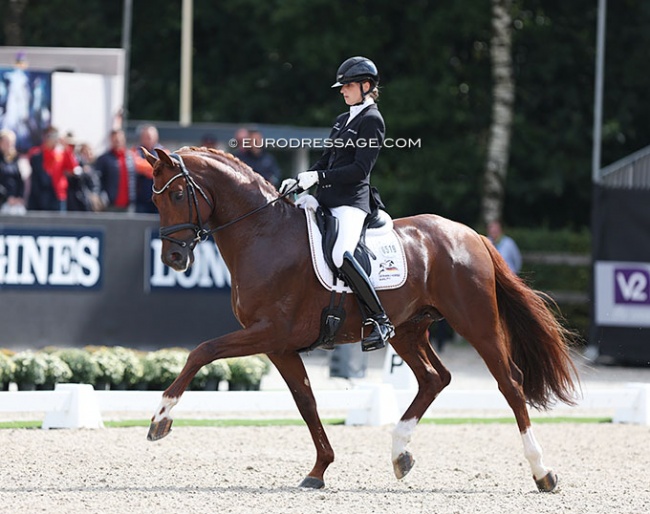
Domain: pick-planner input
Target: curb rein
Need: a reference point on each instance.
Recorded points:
(201, 233)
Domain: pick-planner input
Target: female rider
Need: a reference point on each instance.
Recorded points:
(343, 177)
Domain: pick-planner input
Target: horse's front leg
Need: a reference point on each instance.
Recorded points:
(293, 371)
(249, 341)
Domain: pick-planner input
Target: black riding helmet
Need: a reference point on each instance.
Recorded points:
(357, 69)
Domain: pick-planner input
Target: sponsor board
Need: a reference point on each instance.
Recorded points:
(51, 258)
(622, 293)
(209, 271)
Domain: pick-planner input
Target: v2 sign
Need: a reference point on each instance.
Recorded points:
(631, 286)
(622, 294)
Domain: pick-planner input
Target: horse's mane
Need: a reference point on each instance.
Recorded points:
(220, 155)
(234, 163)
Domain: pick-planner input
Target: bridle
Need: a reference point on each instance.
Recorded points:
(200, 232)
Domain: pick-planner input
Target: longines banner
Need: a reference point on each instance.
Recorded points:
(209, 271)
(73, 279)
(620, 325)
(68, 259)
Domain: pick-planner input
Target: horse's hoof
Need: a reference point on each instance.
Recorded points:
(403, 464)
(547, 484)
(159, 429)
(312, 483)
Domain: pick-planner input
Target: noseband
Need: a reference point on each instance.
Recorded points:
(200, 232)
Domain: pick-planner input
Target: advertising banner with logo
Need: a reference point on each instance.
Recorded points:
(75, 279)
(25, 104)
(621, 274)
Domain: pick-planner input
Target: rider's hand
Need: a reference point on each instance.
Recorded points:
(287, 185)
(306, 179)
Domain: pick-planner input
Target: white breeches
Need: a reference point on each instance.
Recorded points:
(350, 225)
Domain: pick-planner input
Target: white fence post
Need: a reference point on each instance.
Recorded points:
(639, 412)
(81, 411)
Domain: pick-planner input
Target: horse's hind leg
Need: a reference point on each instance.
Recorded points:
(293, 371)
(412, 345)
(489, 340)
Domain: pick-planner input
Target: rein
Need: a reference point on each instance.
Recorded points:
(201, 233)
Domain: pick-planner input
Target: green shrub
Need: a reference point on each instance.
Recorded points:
(546, 240)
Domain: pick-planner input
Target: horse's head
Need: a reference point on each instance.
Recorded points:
(182, 205)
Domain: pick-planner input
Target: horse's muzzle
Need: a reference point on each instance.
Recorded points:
(178, 258)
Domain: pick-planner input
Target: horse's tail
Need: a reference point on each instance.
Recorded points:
(538, 343)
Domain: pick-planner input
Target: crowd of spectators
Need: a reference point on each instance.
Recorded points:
(63, 174)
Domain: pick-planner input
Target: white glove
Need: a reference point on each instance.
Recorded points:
(287, 185)
(306, 179)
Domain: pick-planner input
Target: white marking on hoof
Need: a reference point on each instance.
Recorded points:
(533, 452)
(402, 436)
(164, 409)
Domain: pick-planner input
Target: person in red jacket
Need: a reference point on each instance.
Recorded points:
(51, 164)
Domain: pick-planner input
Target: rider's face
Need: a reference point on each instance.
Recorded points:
(351, 93)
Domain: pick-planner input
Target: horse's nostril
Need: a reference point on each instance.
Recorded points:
(176, 257)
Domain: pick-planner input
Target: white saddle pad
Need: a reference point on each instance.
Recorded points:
(388, 270)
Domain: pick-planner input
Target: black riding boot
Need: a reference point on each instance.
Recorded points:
(356, 278)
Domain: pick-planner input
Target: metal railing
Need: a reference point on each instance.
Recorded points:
(632, 172)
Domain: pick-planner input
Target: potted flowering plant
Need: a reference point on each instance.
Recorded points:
(210, 375)
(30, 370)
(83, 365)
(246, 373)
(133, 367)
(7, 368)
(111, 367)
(56, 371)
(163, 366)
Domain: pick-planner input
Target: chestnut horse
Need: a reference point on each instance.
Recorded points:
(453, 272)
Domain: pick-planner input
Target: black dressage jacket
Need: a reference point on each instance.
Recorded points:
(344, 168)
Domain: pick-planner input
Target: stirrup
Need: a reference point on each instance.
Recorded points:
(379, 335)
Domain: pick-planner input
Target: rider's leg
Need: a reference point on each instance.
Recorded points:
(350, 225)
(382, 328)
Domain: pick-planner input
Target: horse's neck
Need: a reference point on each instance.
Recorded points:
(261, 236)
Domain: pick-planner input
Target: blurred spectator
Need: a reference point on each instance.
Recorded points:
(506, 245)
(148, 137)
(12, 187)
(242, 142)
(209, 141)
(251, 151)
(84, 185)
(51, 164)
(116, 169)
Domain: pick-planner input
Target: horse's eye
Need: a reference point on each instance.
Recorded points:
(177, 195)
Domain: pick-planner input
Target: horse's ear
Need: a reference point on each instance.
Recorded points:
(164, 157)
(150, 158)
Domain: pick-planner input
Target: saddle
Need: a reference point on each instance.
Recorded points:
(333, 316)
(328, 226)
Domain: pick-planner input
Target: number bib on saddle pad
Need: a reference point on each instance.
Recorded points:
(388, 270)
